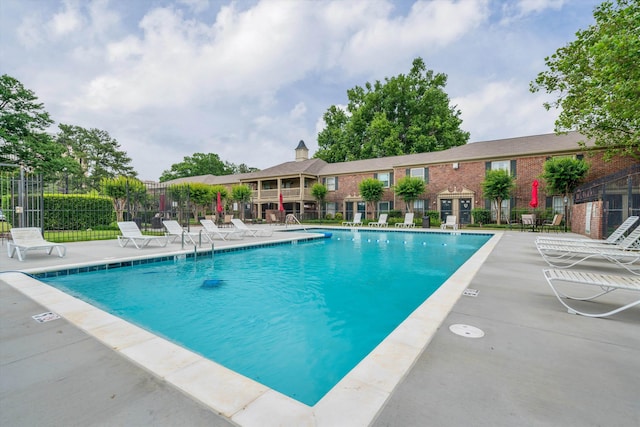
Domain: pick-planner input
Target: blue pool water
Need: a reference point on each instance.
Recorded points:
(295, 317)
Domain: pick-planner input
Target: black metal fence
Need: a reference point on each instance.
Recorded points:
(68, 210)
(619, 192)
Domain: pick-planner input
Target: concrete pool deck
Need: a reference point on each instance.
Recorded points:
(536, 364)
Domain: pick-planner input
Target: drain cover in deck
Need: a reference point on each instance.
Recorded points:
(466, 331)
(45, 317)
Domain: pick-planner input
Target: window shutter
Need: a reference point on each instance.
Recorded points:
(426, 175)
(548, 202)
(391, 205)
(336, 182)
(513, 168)
(487, 167)
(375, 176)
(487, 204)
(407, 172)
(324, 181)
(390, 178)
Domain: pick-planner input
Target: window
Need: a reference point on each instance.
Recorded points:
(418, 173)
(331, 208)
(331, 183)
(504, 212)
(418, 206)
(385, 178)
(501, 164)
(384, 207)
(558, 205)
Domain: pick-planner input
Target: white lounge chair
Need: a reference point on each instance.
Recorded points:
(29, 238)
(175, 230)
(382, 221)
(131, 233)
(566, 256)
(451, 221)
(212, 231)
(357, 220)
(254, 232)
(630, 242)
(613, 238)
(607, 283)
(408, 221)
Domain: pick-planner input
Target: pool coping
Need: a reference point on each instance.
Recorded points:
(358, 397)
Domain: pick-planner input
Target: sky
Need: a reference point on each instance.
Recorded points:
(247, 80)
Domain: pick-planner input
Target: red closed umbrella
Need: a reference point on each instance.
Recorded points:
(281, 206)
(534, 194)
(219, 204)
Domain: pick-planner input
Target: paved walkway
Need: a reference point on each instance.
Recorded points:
(535, 366)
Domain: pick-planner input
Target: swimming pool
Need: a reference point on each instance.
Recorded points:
(313, 331)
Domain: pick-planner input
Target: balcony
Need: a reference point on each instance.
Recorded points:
(287, 193)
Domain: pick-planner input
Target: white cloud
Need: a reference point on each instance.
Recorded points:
(513, 11)
(67, 21)
(247, 79)
(503, 109)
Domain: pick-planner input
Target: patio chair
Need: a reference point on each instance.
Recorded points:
(553, 224)
(615, 237)
(357, 220)
(632, 241)
(175, 230)
(528, 220)
(212, 230)
(408, 221)
(382, 221)
(30, 238)
(253, 232)
(607, 283)
(566, 256)
(451, 221)
(131, 233)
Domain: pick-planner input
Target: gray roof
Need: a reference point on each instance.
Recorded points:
(494, 150)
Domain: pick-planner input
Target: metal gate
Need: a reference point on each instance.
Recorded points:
(21, 198)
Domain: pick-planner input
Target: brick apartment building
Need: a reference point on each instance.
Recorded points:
(453, 178)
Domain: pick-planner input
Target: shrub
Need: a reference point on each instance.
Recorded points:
(328, 216)
(339, 216)
(481, 216)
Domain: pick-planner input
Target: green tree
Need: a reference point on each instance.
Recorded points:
(405, 114)
(562, 175)
(319, 192)
(597, 79)
(127, 194)
(23, 136)
(203, 164)
(497, 186)
(241, 194)
(98, 156)
(371, 191)
(409, 189)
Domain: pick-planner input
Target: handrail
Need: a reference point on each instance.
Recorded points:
(291, 218)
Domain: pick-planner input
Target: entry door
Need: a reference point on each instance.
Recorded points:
(446, 208)
(348, 215)
(465, 211)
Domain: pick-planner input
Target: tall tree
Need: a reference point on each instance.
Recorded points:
(562, 175)
(23, 125)
(497, 186)
(98, 155)
(126, 193)
(319, 192)
(597, 80)
(371, 191)
(203, 164)
(196, 165)
(409, 189)
(405, 114)
(241, 194)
